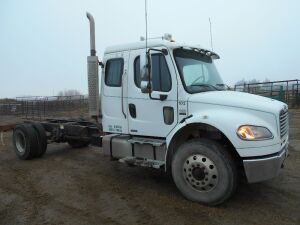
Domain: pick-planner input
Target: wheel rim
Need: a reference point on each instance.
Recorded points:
(20, 142)
(200, 172)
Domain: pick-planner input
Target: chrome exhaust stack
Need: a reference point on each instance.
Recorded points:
(93, 74)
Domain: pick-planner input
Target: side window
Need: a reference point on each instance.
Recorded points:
(113, 72)
(161, 77)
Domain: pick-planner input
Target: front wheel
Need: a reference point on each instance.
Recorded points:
(204, 172)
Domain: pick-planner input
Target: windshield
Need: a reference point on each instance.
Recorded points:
(197, 71)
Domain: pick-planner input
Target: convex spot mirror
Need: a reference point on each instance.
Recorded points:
(145, 72)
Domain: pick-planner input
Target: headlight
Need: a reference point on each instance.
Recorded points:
(253, 133)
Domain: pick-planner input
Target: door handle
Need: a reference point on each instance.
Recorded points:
(163, 97)
(132, 110)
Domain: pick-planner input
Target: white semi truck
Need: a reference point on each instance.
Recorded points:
(164, 106)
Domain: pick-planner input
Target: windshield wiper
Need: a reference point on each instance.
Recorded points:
(206, 85)
(224, 86)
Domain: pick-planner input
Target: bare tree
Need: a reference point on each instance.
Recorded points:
(70, 92)
(241, 82)
(253, 81)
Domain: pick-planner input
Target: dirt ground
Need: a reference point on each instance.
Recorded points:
(82, 186)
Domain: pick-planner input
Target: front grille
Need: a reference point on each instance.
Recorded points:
(284, 122)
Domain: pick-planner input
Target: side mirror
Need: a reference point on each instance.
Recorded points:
(145, 72)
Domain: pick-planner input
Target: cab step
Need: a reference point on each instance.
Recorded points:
(150, 141)
(142, 162)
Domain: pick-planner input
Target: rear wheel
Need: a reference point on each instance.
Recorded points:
(25, 141)
(42, 139)
(78, 143)
(204, 172)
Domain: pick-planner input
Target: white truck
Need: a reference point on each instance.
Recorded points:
(164, 106)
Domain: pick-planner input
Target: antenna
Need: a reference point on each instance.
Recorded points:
(146, 21)
(211, 39)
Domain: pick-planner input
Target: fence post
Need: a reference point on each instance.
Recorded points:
(287, 92)
(27, 103)
(297, 94)
(271, 90)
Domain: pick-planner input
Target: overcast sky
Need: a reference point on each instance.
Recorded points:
(44, 43)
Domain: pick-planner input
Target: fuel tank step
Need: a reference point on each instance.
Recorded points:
(150, 141)
(142, 162)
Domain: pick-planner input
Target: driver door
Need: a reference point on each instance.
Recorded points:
(146, 116)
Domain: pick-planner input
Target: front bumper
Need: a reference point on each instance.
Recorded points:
(265, 167)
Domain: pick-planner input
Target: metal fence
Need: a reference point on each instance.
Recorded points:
(49, 106)
(36, 107)
(287, 91)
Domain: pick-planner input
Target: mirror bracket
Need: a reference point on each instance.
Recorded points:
(163, 51)
(163, 97)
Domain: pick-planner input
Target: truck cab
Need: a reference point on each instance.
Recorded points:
(179, 110)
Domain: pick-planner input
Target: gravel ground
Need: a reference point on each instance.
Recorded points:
(81, 186)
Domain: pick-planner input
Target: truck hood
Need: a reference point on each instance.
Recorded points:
(239, 100)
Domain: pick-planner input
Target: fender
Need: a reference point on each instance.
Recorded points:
(226, 121)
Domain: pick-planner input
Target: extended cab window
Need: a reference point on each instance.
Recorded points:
(113, 72)
(161, 77)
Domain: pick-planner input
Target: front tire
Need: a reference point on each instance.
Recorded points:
(204, 172)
